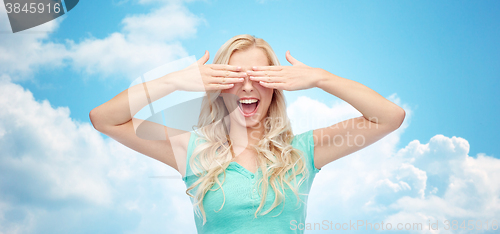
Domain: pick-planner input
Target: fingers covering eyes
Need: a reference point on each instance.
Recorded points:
(266, 78)
(224, 67)
(272, 85)
(219, 86)
(227, 80)
(265, 73)
(221, 73)
(267, 68)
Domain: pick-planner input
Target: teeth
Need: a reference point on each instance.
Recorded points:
(248, 101)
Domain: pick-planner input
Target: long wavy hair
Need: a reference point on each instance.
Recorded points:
(279, 162)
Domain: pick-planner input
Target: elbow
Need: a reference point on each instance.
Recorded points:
(399, 117)
(395, 119)
(94, 119)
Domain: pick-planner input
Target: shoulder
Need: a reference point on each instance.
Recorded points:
(194, 140)
(305, 143)
(304, 139)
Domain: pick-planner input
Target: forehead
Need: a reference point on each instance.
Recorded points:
(248, 58)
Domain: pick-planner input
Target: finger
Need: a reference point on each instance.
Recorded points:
(291, 59)
(267, 68)
(220, 73)
(227, 80)
(219, 86)
(204, 58)
(272, 85)
(264, 73)
(268, 79)
(225, 67)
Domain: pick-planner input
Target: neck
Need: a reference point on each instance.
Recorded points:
(243, 137)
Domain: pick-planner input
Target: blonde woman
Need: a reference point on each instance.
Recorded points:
(244, 169)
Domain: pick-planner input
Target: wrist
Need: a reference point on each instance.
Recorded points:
(164, 85)
(167, 81)
(323, 77)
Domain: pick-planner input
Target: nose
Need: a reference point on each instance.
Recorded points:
(248, 85)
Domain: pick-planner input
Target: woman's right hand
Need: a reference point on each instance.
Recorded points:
(199, 77)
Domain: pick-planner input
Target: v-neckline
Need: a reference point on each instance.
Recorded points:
(242, 167)
(245, 169)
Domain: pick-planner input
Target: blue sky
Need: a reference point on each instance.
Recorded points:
(437, 59)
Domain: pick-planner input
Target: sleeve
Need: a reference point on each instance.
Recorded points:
(191, 146)
(305, 142)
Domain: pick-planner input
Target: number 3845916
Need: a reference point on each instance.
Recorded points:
(32, 8)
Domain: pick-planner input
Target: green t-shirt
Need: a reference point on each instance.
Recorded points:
(243, 199)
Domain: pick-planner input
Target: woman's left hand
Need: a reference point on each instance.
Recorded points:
(296, 77)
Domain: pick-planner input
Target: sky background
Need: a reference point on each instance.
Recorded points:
(439, 60)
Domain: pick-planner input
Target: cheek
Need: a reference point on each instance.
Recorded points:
(268, 97)
(231, 90)
(267, 92)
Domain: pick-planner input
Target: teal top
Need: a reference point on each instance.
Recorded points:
(243, 199)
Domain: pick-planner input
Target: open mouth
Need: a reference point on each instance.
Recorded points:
(248, 107)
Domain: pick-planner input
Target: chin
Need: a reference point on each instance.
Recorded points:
(253, 121)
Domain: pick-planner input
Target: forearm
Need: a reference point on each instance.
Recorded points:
(121, 108)
(372, 105)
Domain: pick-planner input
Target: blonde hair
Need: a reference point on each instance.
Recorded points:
(276, 157)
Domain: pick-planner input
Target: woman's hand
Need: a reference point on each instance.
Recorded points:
(200, 77)
(296, 77)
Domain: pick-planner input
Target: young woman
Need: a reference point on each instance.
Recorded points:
(244, 169)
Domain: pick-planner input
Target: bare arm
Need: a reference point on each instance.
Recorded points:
(115, 119)
(380, 117)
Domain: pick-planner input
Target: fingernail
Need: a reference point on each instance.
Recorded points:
(254, 68)
(241, 79)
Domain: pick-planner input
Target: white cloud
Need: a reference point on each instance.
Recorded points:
(145, 41)
(415, 184)
(118, 55)
(40, 142)
(54, 170)
(29, 50)
(171, 22)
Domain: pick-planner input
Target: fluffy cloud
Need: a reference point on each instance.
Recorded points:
(127, 53)
(146, 42)
(55, 171)
(171, 22)
(420, 182)
(23, 52)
